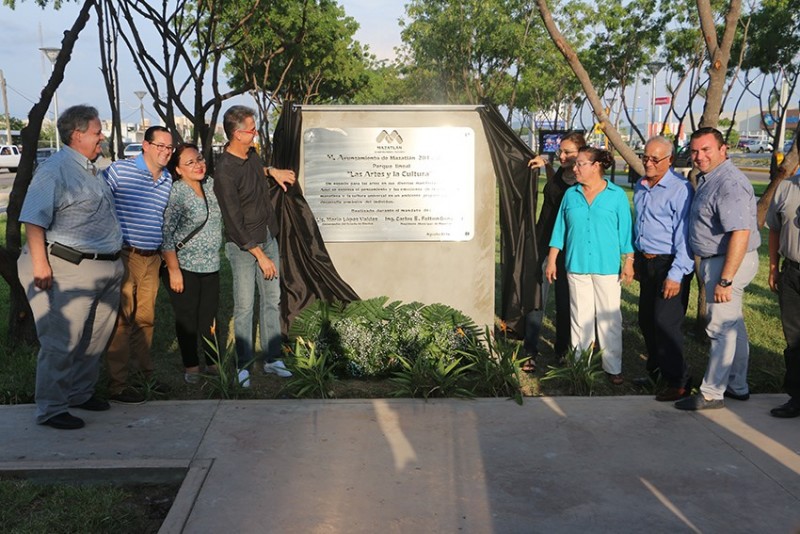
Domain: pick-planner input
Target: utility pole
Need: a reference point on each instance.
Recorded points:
(140, 95)
(653, 67)
(52, 55)
(5, 107)
(783, 106)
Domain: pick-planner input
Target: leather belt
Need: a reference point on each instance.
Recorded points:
(101, 257)
(84, 255)
(648, 256)
(789, 263)
(139, 251)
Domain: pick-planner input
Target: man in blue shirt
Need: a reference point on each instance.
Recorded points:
(70, 270)
(141, 187)
(784, 240)
(723, 231)
(663, 264)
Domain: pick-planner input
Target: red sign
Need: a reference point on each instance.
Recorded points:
(662, 101)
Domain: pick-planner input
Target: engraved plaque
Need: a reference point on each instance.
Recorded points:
(391, 184)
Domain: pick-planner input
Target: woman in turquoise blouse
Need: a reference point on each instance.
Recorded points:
(191, 274)
(594, 228)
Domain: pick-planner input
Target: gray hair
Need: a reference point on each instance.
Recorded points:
(75, 118)
(663, 141)
(234, 119)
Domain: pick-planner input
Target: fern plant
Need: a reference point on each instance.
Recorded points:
(225, 383)
(426, 377)
(581, 371)
(312, 372)
(496, 367)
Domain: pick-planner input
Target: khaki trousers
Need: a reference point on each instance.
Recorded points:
(130, 345)
(74, 320)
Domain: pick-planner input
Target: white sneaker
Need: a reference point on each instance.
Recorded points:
(244, 378)
(277, 368)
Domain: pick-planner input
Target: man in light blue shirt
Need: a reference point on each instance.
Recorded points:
(663, 264)
(71, 271)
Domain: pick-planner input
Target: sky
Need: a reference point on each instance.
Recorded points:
(28, 28)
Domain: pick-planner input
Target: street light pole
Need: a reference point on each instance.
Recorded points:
(784, 107)
(653, 67)
(5, 107)
(52, 55)
(140, 95)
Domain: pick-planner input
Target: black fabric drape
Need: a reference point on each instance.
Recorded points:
(307, 271)
(521, 291)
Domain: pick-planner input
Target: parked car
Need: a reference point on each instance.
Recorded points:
(755, 145)
(132, 150)
(44, 153)
(9, 157)
(683, 161)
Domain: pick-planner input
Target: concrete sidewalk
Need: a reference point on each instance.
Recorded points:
(564, 464)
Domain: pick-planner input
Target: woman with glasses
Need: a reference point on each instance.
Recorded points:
(594, 229)
(557, 183)
(192, 240)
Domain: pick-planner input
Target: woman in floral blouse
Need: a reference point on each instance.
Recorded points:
(191, 274)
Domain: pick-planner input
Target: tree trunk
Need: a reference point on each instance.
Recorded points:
(107, 35)
(719, 54)
(594, 99)
(21, 328)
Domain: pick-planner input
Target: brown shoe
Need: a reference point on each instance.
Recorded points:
(671, 394)
(617, 379)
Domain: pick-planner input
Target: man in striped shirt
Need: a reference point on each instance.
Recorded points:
(141, 187)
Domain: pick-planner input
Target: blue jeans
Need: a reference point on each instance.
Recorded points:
(247, 276)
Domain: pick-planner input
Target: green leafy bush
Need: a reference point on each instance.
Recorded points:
(428, 350)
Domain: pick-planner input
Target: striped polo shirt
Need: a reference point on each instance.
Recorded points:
(139, 201)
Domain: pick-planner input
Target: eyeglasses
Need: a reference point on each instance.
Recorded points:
(195, 162)
(651, 159)
(162, 147)
(565, 152)
(251, 131)
(584, 163)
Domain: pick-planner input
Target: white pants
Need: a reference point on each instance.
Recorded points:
(594, 304)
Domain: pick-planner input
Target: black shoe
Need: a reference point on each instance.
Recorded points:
(94, 405)
(128, 395)
(698, 402)
(643, 381)
(736, 396)
(786, 411)
(65, 421)
(671, 394)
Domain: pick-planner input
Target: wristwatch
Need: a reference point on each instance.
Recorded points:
(724, 282)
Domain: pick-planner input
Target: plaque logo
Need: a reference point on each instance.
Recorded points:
(389, 138)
